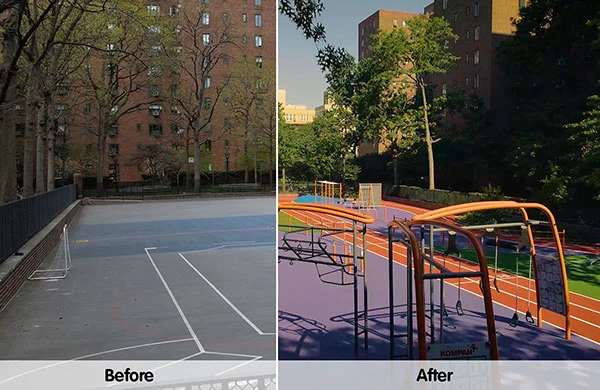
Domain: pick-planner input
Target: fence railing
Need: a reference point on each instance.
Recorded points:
(22, 219)
(142, 190)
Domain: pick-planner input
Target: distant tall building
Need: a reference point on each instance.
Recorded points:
(381, 20)
(384, 20)
(293, 113)
(481, 26)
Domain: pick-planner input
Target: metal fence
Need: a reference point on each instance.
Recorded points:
(22, 219)
(142, 190)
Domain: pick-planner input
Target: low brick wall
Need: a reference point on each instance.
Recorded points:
(15, 270)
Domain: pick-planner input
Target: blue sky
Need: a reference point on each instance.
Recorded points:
(299, 74)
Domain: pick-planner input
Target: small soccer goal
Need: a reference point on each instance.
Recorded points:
(58, 266)
(369, 195)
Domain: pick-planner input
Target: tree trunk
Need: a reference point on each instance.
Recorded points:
(255, 167)
(42, 122)
(8, 165)
(51, 140)
(428, 139)
(246, 147)
(197, 171)
(100, 167)
(29, 142)
(395, 163)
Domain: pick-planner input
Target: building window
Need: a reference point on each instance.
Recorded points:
(153, 10)
(468, 34)
(244, 18)
(467, 58)
(521, 3)
(87, 109)
(226, 123)
(467, 81)
(175, 109)
(444, 4)
(154, 90)
(208, 144)
(468, 11)
(173, 89)
(154, 71)
(62, 89)
(207, 82)
(259, 61)
(155, 110)
(206, 39)
(477, 9)
(138, 127)
(258, 40)
(476, 81)
(244, 39)
(20, 130)
(476, 57)
(205, 18)
(173, 10)
(257, 3)
(205, 1)
(258, 20)
(444, 89)
(113, 131)
(113, 149)
(225, 59)
(226, 144)
(207, 103)
(476, 33)
(155, 129)
(224, 17)
(174, 128)
(456, 16)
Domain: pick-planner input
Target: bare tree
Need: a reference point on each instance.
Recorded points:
(204, 44)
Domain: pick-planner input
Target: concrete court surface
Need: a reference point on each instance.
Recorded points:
(159, 280)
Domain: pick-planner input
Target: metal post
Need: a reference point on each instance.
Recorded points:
(365, 298)
(355, 275)
(391, 287)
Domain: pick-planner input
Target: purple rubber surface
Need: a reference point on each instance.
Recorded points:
(316, 319)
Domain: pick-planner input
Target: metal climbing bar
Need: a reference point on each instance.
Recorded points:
(420, 276)
(318, 253)
(546, 297)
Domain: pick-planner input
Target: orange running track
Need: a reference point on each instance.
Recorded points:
(585, 311)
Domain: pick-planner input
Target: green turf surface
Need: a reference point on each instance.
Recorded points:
(285, 219)
(583, 279)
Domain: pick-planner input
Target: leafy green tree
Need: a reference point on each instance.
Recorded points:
(552, 66)
(587, 146)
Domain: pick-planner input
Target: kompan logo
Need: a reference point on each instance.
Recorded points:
(460, 352)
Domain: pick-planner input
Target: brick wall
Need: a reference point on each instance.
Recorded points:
(12, 282)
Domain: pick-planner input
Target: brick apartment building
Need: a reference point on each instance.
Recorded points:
(381, 20)
(251, 26)
(481, 26)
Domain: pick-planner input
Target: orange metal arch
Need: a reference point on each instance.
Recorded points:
(331, 210)
(495, 205)
(485, 281)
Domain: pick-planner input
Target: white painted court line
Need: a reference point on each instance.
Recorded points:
(183, 317)
(95, 354)
(260, 332)
(238, 366)
(234, 244)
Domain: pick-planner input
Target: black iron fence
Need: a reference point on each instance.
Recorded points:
(149, 189)
(22, 219)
